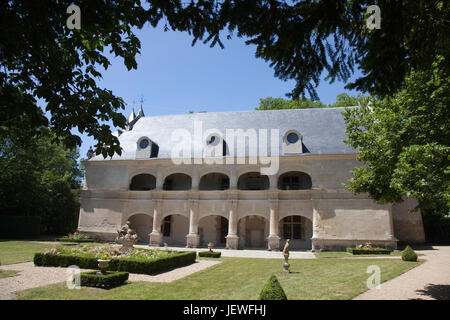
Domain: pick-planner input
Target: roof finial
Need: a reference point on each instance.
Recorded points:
(141, 111)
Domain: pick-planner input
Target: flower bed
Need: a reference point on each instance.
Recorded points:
(142, 261)
(356, 251)
(106, 281)
(76, 237)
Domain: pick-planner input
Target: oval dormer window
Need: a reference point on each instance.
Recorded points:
(292, 137)
(213, 140)
(144, 143)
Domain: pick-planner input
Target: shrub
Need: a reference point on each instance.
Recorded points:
(109, 280)
(150, 266)
(408, 254)
(356, 251)
(20, 227)
(272, 290)
(210, 254)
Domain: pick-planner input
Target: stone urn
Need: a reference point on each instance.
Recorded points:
(103, 265)
(210, 246)
(286, 264)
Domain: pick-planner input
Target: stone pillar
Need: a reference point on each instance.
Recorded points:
(317, 243)
(232, 237)
(273, 240)
(156, 235)
(193, 238)
(273, 180)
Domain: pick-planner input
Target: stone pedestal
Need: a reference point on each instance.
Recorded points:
(155, 239)
(232, 242)
(273, 243)
(286, 264)
(192, 240)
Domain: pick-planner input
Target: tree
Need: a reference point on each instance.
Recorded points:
(404, 142)
(42, 59)
(345, 100)
(270, 103)
(342, 100)
(40, 178)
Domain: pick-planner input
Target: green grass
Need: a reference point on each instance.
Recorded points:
(8, 273)
(243, 278)
(19, 251)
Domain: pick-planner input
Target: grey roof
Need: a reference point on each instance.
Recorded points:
(323, 129)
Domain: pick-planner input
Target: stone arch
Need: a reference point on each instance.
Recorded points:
(180, 213)
(213, 228)
(253, 230)
(298, 229)
(253, 181)
(295, 168)
(142, 223)
(142, 182)
(177, 181)
(214, 181)
(294, 180)
(174, 228)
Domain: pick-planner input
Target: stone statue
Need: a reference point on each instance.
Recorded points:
(286, 264)
(126, 236)
(286, 247)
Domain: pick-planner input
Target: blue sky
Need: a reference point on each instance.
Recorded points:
(173, 77)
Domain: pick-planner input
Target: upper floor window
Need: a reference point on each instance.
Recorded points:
(214, 142)
(146, 149)
(292, 142)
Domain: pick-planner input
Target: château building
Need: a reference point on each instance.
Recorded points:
(248, 179)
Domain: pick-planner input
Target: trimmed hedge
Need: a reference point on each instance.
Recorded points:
(408, 254)
(272, 290)
(128, 265)
(20, 227)
(356, 251)
(109, 280)
(76, 241)
(209, 254)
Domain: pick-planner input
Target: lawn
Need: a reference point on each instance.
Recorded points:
(19, 251)
(8, 273)
(243, 278)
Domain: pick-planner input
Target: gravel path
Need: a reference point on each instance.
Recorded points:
(31, 276)
(246, 253)
(429, 281)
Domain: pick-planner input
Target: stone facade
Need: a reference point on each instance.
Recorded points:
(336, 218)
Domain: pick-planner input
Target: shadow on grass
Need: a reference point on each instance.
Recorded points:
(436, 291)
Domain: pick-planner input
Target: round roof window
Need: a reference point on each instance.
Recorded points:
(292, 137)
(144, 143)
(213, 140)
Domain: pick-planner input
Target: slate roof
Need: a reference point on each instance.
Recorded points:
(323, 129)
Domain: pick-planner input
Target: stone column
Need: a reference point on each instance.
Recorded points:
(393, 244)
(317, 242)
(273, 240)
(156, 235)
(232, 237)
(193, 238)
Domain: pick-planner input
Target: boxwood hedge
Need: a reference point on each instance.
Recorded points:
(209, 254)
(117, 264)
(109, 280)
(356, 251)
